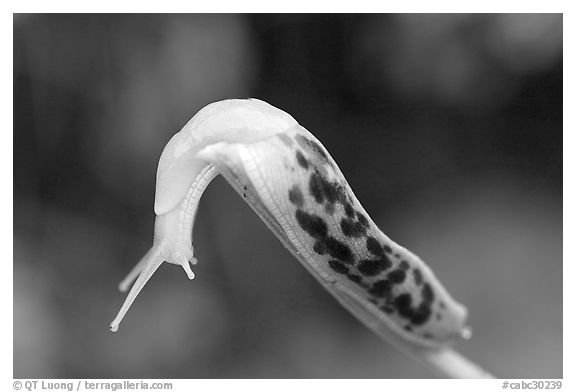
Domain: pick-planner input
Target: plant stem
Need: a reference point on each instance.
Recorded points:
(449, 363)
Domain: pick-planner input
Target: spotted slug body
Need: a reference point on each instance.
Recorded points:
(291, 181)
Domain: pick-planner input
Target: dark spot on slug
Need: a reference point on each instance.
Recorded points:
(427, 335)
(316, 227)
(397, 276)
(404, 266)
(370, 267)
(347, 227)
(408, 328)
(417, 276)
(388, 249)
(381, 288)
(245, 188)
(322, 189)
(303, 162)
(319, 248)
(302, 141)
(387, 309)
(333, 191)
(351, 228)
(404, 305)
(362, 219)
(315, 185)
(421, 314)
(338, 250)
(244, 195)
(374, 246)
(438, 316)
(295, 196)
(417, 315)
(312, 224)
(311, 146)
(442, 305)
(427, 293)
(325, 192)
(285, 139)
(338, 267)
(355, 278)
(374, 267)
(348, 210)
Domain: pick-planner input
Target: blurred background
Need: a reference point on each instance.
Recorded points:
(447, 127)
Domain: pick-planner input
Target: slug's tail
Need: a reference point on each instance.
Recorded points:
(144, 271)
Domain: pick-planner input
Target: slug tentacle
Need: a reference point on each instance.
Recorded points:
(131, 277)
(150, 264)
(291, 181)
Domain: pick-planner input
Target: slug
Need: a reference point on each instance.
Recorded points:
(289, 179)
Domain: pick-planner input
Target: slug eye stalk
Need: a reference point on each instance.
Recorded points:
(291, 181)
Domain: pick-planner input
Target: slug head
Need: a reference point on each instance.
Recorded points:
(234, 120)
(182, 178)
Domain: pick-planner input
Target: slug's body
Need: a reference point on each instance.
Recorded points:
(293, 184)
